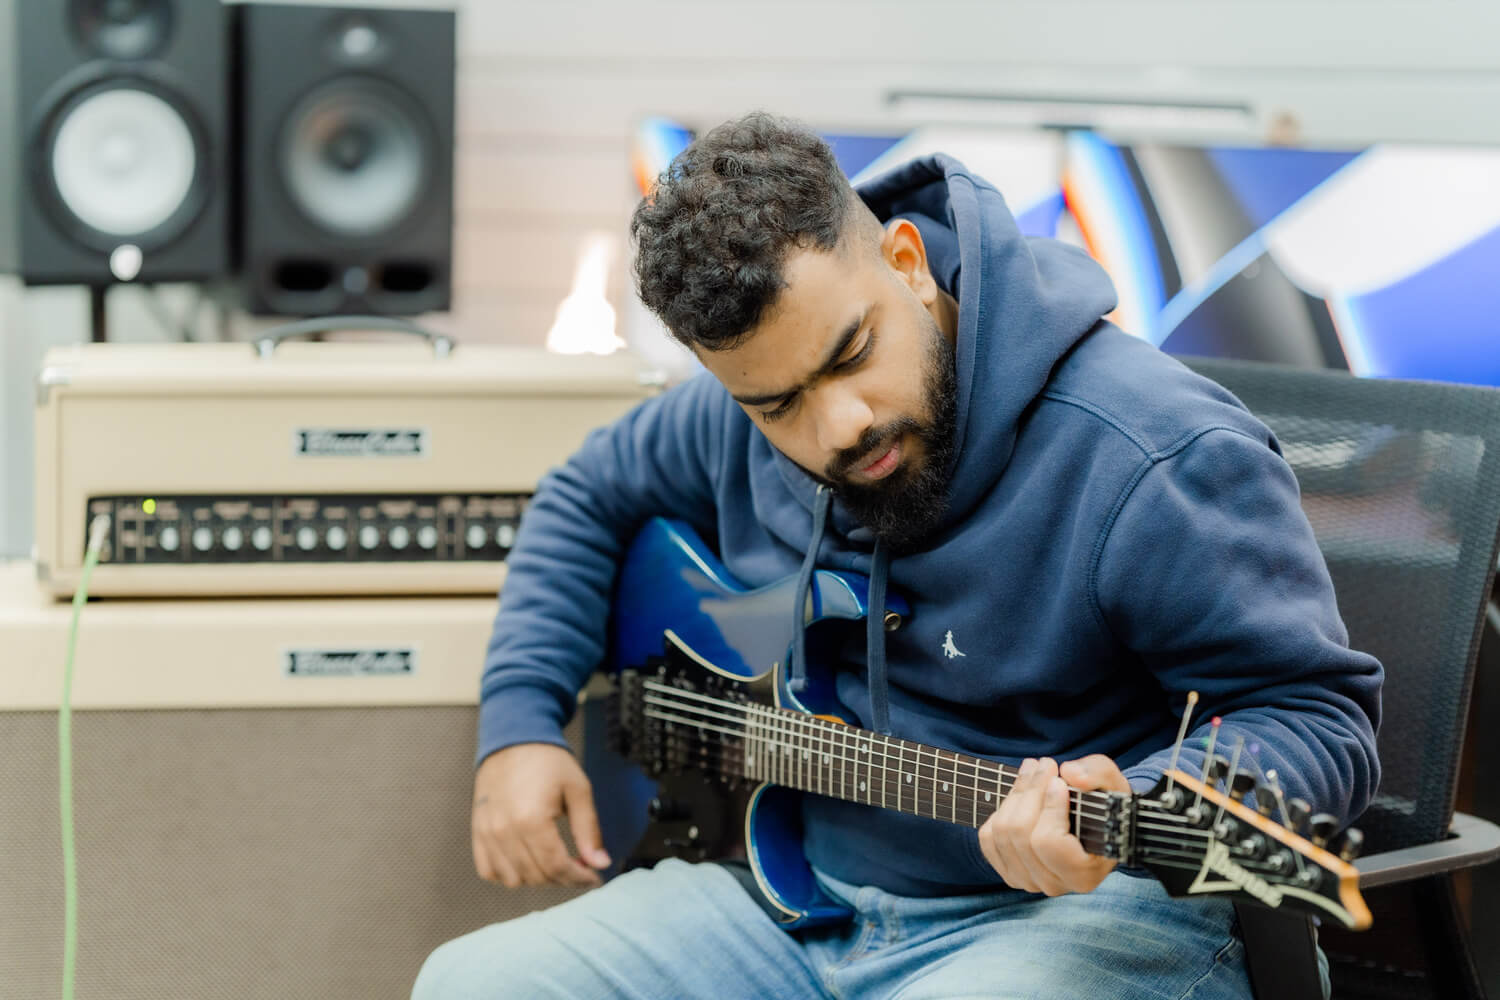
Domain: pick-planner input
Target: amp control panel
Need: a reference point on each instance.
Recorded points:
(199, 529)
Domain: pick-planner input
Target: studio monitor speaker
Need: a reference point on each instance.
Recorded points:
(346, 130)
(113, 140)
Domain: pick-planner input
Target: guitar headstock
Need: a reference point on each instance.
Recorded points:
(1201, 841)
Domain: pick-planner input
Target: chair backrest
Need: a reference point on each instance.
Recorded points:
(1401, 481)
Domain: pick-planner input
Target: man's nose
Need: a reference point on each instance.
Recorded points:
(843, 418)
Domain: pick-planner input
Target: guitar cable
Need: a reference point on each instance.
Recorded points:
(98, 532)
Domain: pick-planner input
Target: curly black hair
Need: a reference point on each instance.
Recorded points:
(713, 234)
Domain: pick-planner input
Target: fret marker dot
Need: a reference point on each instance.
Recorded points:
(806, 755)
(861, 786)
(864, 749)
(750, 759)
(826, 758)
(945, 786)
(986, 796)
(908, 779)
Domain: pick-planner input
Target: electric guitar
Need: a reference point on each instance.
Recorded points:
(698, 691)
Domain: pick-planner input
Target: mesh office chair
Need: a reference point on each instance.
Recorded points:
(1401, 481)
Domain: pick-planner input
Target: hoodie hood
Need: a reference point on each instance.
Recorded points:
(1023, 303)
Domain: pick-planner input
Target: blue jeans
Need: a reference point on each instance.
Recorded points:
(682, 930)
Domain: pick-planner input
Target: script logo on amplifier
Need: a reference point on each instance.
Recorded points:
(350, 662)
(325, 442)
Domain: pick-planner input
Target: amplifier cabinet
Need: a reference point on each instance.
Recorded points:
(337, 468)
(243, 830)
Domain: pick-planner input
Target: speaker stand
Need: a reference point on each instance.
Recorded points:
(98, 327)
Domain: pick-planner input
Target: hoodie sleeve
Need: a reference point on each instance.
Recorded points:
(1211, 574)
(550, 632)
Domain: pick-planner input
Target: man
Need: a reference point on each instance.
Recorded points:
(901, 385)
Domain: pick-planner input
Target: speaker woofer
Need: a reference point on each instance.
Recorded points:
(354, 157)
(122, 160)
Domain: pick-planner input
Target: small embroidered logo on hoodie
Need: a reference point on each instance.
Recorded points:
(949, 650)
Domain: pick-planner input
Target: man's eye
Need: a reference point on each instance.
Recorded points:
(779, 412)
(864, 352)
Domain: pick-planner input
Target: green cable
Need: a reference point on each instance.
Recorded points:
(98, 529)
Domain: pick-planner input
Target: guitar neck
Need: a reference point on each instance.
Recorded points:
(790, 748)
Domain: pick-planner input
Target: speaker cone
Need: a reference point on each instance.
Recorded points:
(124, 163)
(355, 157)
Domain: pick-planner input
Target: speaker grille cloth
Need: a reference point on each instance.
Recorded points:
(317, 853)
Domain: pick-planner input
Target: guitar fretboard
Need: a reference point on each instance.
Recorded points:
(796, 750)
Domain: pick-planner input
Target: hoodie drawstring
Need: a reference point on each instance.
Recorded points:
(880, 702)
(821, 504)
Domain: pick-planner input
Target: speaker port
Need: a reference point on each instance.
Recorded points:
(406, 277)
(304, 275)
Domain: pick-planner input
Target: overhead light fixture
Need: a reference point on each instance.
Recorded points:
(1108, 115)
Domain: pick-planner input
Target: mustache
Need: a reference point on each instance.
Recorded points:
(871, 445)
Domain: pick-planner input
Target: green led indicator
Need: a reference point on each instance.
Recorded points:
(149, 506)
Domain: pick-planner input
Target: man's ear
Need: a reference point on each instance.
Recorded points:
(902, 249)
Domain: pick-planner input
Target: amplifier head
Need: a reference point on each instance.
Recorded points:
(322, 469)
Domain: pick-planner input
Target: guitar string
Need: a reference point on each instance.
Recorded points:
(963, 785)
(838, 735)
(975, 768)
(1155, 849)
(1161, 849)
(837, 730)
(973, 776)
(1148, 840)
(934, 806)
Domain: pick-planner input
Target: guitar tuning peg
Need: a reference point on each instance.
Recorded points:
(1241, 784)
(1351, 842)
(1297, 811)
(1218, 769)
(1322, 826)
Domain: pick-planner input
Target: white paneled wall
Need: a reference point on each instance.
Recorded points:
(550, 93)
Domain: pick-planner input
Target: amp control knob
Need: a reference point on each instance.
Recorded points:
(337, 538)
(260, 537)
(505, 536)
(400, 536)
(233, 538)
(203, 538)
(369, 536)
(168, 538)
(307, 538)
(427, 537)
(476, 536)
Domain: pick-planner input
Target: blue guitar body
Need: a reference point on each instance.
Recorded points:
(675, 600)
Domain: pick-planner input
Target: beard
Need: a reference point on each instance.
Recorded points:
(906, 506)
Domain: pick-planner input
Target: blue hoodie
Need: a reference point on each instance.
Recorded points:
(1120, 532)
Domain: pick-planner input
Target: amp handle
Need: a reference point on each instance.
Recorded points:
(266, 343)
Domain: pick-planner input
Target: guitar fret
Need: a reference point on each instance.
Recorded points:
(933, 813)
(909, 774)
(948, 781)
(975, 820)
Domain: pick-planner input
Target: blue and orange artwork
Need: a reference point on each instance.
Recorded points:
(1383, 260)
